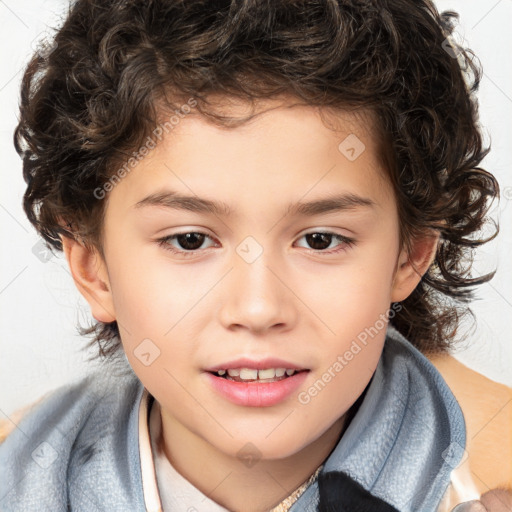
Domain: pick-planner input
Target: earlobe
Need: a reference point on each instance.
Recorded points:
(412, 265)
(89, 272)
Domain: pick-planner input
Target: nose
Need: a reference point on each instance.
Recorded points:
(257, 297)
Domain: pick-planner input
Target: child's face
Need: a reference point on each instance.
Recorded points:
(254, 288)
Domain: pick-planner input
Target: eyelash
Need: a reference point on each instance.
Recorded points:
(346, 243)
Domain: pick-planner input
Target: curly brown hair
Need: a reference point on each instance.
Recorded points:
(88, 103)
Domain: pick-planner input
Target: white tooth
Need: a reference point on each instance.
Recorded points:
(248, 374)
(221, 372)
(280, 372)
(233, 372)
(269, 373)
(290, 372)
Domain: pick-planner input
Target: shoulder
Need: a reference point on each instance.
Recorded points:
(487, 409)
(74, 399)
(47, 404)
(47, 438)
(102, 383)
(8, 424)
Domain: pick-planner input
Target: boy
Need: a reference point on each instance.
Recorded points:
(267, 369)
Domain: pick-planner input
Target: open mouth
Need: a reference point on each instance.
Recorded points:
(253, 375)
(265, 386)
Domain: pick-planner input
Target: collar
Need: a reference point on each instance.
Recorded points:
(147, 466)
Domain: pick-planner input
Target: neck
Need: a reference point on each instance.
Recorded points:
(234, 485)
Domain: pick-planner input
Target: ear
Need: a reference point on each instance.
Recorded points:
(89, 272)
(413, 264)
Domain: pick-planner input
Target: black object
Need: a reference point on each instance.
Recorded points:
(340, 493)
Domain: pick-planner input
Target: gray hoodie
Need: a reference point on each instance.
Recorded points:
(78, 449)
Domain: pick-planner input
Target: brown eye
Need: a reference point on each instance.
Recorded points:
(184, 244)
(190, 241)
(319, 241)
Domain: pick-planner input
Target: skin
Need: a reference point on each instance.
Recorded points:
(293, 302)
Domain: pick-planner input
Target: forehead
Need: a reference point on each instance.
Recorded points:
(233, 114)
(281, 146)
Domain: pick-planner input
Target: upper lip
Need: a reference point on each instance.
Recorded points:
(262, 364)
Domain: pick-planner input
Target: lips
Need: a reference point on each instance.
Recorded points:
(256, 383)
(257, 393)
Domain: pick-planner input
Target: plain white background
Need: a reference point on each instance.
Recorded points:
(40, 306)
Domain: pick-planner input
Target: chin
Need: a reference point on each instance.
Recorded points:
(249, 448)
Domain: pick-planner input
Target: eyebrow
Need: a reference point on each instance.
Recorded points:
(177, 201)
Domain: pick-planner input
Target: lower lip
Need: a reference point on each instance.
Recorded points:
(257, 394)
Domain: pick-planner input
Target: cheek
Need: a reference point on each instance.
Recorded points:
(154, 305)
(353, 296)
(150, 295)
(356, 306)
(335, 391)
(346, 367)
